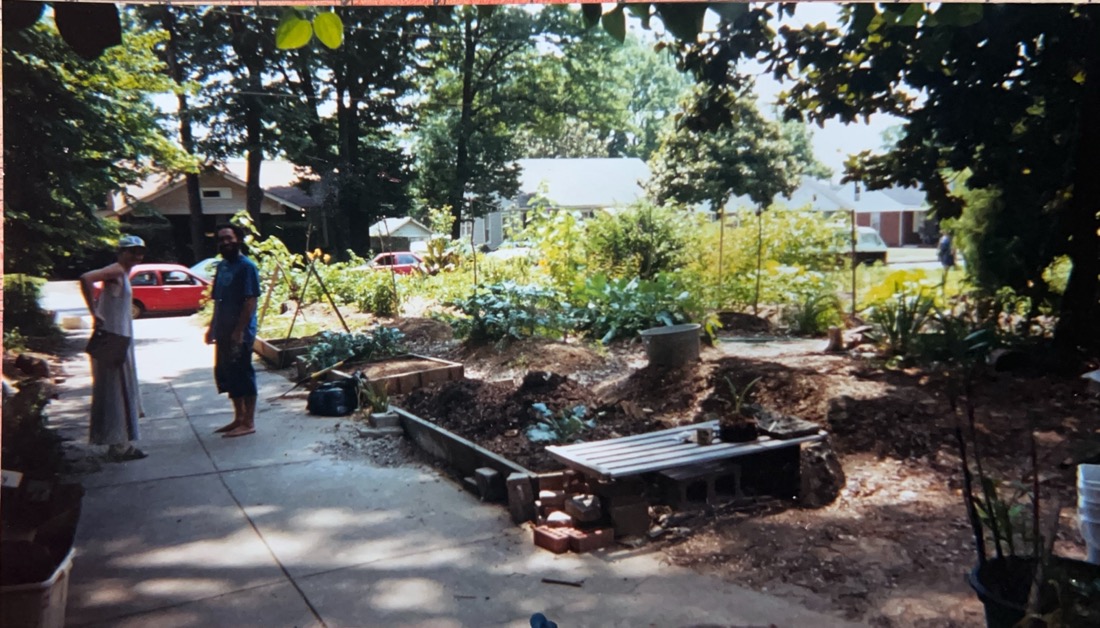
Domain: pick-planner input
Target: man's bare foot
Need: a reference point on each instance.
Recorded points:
(240, 430)
(227, 428)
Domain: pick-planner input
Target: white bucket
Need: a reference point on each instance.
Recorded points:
(1088, 508)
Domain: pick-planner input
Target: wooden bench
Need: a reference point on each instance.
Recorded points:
(768, 464)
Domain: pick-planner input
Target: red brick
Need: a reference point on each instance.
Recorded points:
(581, 541)
(554, 539)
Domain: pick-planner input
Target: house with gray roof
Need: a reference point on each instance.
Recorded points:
(898, 214)
(578, 185)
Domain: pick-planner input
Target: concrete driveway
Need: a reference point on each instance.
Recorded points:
(266, 530)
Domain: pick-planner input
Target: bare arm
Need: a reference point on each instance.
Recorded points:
(247, 310)
(106, 274)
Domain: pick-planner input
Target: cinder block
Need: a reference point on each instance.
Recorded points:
(385, 419)
(521, 497)
(581, 541)
(631, 519)
(554, 539)
(490, 484)
(554, 481)
(583, 508)
(622, 490)
(555, 499)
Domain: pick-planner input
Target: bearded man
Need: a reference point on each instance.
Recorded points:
(233, 329)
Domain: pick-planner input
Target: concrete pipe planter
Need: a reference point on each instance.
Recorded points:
(673, 345)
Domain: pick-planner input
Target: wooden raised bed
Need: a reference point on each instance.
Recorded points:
(280, 353)
(404, 373)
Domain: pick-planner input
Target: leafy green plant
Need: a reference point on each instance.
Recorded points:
(442, 255)
(741, 396)
(620, 308)
(333, 347)
(562, 426)
(509, 311)
(900, 319)
(814, 314)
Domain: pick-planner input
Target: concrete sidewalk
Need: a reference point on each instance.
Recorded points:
(267, 531)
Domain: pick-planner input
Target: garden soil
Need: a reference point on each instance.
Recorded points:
(895, 545)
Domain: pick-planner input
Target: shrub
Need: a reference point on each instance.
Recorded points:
(558, 236)
(642, 240)
(21, 309)
(813, 314)
(899, 319)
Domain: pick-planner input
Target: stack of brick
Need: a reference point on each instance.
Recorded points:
(572, 515)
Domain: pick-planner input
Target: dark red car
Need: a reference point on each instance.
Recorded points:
(164, 288)
(401, 262)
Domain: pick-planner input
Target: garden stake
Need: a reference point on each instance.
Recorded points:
(968, 491)
(311, 377)
(298, 307)
(331, 302)
(271, 288)
(993, 526)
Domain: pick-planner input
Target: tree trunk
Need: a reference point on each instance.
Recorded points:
(187, 138)
(253, 62)
(346, 199)
(457, 197)
(1076, 328)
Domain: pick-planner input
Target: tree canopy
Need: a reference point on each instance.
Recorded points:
(60, 165)
(1005, 93)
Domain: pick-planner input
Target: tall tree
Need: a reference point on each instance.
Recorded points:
(370, 77)
(190, 57)
(465, 149)
(1008, 93)
(751, 156)
(75, 131)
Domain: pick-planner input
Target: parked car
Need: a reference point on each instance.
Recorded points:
(870, 247)
(512, 250)
(206, 268)
(164, 288)
(400, 262)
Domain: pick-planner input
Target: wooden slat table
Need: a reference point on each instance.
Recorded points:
(657, 451)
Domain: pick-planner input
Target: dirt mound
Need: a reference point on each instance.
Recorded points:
(530, 354)
(496, 415)
(424, 330)
(672, 394)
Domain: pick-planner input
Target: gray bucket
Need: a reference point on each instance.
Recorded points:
(674, 345)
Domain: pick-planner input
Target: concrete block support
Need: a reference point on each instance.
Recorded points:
(521, 497)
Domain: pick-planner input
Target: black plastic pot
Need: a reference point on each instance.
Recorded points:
(1003, 586)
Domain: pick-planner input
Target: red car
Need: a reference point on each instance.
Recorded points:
(164, 288)
(401, 262)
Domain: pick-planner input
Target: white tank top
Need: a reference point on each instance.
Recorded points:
(114, 306)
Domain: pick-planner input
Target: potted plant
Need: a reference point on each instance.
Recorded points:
(1018, 578)
(739, 425)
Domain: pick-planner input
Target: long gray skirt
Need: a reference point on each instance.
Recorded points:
(114, 417)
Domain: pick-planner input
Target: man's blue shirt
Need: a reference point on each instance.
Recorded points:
(236, 281)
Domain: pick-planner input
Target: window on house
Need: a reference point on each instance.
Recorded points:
(217, 193)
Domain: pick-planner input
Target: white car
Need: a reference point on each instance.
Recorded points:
(206, 268)
(870, 247)
(512, 250)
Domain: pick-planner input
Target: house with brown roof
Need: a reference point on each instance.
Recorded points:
(158, 208)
